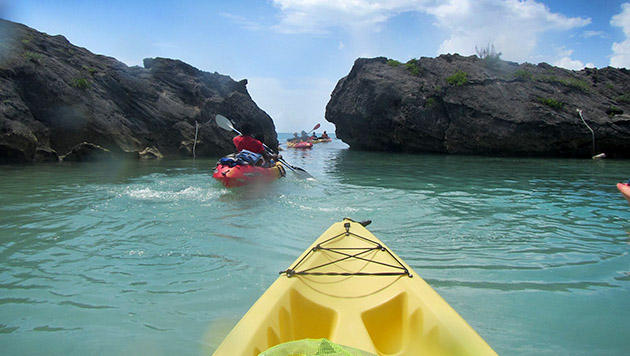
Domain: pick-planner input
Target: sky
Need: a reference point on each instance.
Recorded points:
(293, 52)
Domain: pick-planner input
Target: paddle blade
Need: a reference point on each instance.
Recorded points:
(300, 172)
(224, 122)
(315, 128)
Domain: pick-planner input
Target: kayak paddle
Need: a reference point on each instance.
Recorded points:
(315, 128)
(227, 125)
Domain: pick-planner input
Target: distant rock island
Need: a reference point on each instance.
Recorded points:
(468, 105)
(60, 100)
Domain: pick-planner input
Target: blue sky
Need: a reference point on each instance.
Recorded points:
(293, 52)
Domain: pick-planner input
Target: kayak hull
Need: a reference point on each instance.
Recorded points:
(240, 175)
(302, 145)
(322, 140)
(365, 305)
(625, 190)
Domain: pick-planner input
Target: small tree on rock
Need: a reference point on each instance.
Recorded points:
(489, 55)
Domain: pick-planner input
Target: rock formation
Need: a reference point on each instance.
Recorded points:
(56, 98)
(468, 105)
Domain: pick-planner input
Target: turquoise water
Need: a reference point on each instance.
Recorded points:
(155, 258)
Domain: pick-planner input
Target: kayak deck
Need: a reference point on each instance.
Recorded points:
(349, 288)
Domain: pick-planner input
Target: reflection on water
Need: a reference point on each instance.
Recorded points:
(160, 258)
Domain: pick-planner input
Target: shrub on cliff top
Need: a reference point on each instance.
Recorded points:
(394, 63)
(412, 66)
(489, 55)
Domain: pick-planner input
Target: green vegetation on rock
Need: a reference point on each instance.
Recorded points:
(613, 110)
(523, 74)
(571, 82)
(90, 70)
(623, 98)
(81, 83)
(32, 56)
(458, 79)
(394, 63)
(552, 103)
(412, 66)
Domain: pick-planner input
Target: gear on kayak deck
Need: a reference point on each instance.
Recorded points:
(366, 254)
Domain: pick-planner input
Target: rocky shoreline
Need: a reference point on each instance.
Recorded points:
(467, 105)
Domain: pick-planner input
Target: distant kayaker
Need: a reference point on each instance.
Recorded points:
(295, 138)
(304, 135)
(324, 135)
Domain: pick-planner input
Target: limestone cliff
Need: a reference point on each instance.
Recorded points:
(468, 105)
(56, 97)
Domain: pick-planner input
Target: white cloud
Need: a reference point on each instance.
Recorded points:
(567, 62)
(562, 52)
(514, 27)
(572, 64)
(621, 50)
(590, 34)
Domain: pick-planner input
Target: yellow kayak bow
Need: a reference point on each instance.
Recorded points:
(349, 288)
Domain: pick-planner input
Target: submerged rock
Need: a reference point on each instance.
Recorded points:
(54, 96)
(151, 153)
(467, 105)
(86, 151)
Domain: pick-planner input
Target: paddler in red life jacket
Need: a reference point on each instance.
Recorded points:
(246, 142)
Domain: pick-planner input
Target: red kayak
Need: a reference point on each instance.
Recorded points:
(624, 188)
(302, 144)
(239, 175)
